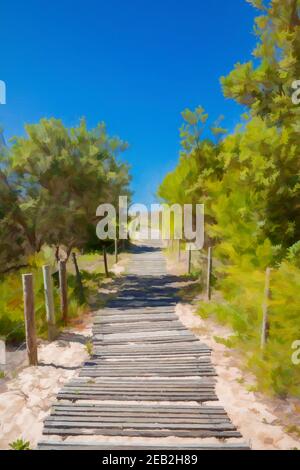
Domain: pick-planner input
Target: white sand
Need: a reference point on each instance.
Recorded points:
(256, 416)
(26, 399)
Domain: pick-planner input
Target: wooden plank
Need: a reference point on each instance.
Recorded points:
(180, 361)
(140, 326)
(117, 372)
(183, 345)
(153, 408)
(134, 318)
(99, 352)
(135, 382)
(146, 335)
(60, 429)
(65, 445)
(142, 363)
(182, 384)
(140, 412)
(142, 352)
(137, 396)
(149, 340)
(125, 386)
(136, 311)
(86, 373)
(103, 412)
(215, 423)
(148, 369)
(92, 422)
(150, 302)
(145, 390)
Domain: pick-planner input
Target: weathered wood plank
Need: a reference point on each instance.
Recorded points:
(137, 396)
(153, 408)
(222, 422)
(137, 446)
(86, 373)
(155, 432)
(111, 319)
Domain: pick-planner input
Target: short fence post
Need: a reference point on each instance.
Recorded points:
(265, 322)
(209, 270)
(2, 353)
(49, 302)
(63, 289)
(31, 342)
(189, 259)
(105, 262)
(116, 250)
(78, 279)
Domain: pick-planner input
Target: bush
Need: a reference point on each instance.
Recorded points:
(12, 326)
(243, 294)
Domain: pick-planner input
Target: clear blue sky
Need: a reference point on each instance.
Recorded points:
(135, 64)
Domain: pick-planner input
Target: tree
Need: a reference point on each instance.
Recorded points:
(199, 164)
(266, 88)
(249, 181)
(54, 180)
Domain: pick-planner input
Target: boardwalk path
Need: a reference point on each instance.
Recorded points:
(150, 378)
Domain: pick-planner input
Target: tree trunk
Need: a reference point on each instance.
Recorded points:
(116, 250)
(78, 280)
(63, 290)
(57, 253)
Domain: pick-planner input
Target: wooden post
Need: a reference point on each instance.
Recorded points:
(116, 250)
(189, 259)
(105, 262)
(209, 270)
(2, 353)
(265, 322)
(78, 279)
(63, 289)
(49, 302)
(31, 343)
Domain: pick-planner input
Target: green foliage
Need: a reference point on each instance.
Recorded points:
(89, 348)
(51, 182)
(20, 444)
(12, 326)
(294, 254)
(249, 182)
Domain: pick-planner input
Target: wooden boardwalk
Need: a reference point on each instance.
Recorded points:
(149, 378)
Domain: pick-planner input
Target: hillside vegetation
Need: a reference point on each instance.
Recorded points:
(249, 181)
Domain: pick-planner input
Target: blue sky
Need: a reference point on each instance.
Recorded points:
(135, 64)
